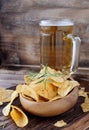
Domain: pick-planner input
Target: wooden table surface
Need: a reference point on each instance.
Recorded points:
(76, 119)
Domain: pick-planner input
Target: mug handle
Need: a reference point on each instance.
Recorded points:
(75, 52)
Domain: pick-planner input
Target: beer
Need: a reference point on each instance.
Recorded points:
(55, 47)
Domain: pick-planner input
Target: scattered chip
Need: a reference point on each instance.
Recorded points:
(60, 123)
(14, 96)
(85, 105)
(6, 109)
(2, 93)
(82, 92)
(5, 95)
(18, 88)
(18, 116)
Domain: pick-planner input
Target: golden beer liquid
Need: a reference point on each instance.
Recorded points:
(55, 47)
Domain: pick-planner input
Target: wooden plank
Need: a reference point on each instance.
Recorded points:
(77, 124)
(33, 15)
(25, 5)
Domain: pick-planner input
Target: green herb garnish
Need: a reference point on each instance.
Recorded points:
(32, 75)
(43, 76)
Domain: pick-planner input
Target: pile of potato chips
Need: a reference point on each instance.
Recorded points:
(47, 85)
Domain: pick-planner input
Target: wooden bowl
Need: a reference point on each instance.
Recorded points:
(50, 108)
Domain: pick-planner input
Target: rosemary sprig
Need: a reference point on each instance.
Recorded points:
(45, 81)
(56, 74)
(40, 75)
(32, 75)
(45, 75)
(39, 81)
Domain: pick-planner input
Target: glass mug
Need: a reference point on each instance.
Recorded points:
(59, 49)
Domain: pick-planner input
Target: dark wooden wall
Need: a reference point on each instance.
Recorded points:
(19, 29)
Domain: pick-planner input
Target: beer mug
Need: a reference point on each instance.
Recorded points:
(59, 49)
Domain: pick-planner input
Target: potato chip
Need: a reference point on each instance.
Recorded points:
(18, 88)
(52, 71)
(28, 91)
(27, 79)
(48, 93)
(42, 99)
(36, 81)
(56, 84)
(6, 109)
(85, 105)
(18, 116)
(27, 97)
(60, 123)
(2, 92)
(5, 95)
(57, 79)
(67, 87)
(14, 96)
(82, 92)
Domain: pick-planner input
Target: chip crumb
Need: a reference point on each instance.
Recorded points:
(60, 123)
(83, 93)
(85, 105)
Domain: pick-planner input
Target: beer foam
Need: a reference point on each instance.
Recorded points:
(64, 22)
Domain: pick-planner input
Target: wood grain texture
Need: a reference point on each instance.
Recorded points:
(77, 125)
(25, 5)
(19, 27)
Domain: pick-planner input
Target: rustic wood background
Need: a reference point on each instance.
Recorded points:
(19, 29)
